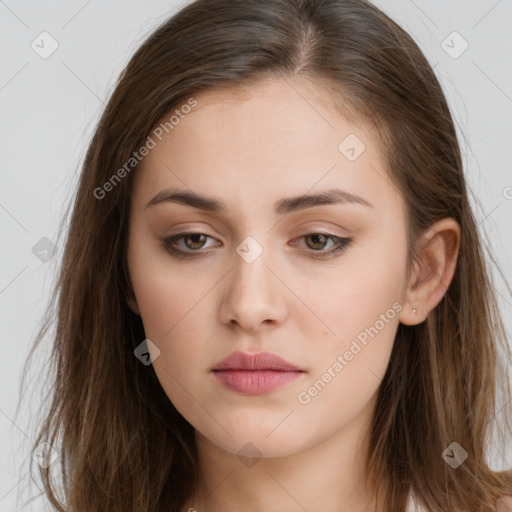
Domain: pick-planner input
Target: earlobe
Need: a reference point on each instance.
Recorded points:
(132, 304)
(433, 271)
(129, 293)
(412, 311)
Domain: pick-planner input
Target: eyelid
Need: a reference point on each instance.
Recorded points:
(340, 245)
(168, 240)
(200, 231)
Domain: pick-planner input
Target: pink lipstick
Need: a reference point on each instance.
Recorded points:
(254, 374)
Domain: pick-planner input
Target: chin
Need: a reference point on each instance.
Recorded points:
(248, 441)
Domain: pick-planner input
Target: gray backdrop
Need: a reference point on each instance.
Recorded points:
(59, 62)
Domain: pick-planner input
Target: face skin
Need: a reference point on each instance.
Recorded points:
(249, 149)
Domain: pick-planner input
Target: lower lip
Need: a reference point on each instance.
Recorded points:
(255, 382)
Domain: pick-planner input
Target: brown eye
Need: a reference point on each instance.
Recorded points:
(198, 240)
(318, 240)
(192, 243)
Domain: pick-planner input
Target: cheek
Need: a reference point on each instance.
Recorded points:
(347, 369)
(168, 295)
(175, 313)
(359, 310)
(364, 292)
(175, 317)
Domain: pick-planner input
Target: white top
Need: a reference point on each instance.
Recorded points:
(413, 506)
(503, 505)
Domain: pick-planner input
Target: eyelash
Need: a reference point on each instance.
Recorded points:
(169, 244)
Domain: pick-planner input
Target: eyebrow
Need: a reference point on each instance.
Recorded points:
(283, 206)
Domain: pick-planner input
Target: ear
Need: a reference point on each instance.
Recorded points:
(130, 298)
(129, 293)
(132, 304)
(437, 252)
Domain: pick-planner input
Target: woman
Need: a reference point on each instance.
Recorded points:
(273, 294)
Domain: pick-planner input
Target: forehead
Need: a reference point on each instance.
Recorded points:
(277, 135)
(292, 108)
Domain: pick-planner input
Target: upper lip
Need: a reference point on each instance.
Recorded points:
(255, 361)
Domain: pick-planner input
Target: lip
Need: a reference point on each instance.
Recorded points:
(255, 361)
(254, 374)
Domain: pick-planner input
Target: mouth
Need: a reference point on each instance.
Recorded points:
(254, 374)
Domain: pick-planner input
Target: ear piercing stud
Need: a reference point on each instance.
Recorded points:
(414, 310)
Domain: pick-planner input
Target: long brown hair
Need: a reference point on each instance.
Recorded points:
(122, 445)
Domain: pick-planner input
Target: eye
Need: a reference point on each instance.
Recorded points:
(319, 241)
(195, 241)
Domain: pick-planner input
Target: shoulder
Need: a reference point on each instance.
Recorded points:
(504, 504)
(414, 506)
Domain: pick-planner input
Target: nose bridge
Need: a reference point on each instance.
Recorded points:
(252, 296)
(250, 265)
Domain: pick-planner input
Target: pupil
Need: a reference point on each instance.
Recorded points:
(315, 238)
(194, 238)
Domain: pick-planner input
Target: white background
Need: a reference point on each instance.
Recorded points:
(49, 108)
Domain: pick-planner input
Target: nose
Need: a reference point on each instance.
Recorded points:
(254, 296)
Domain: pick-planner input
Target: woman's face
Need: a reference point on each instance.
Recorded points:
(260, 274)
